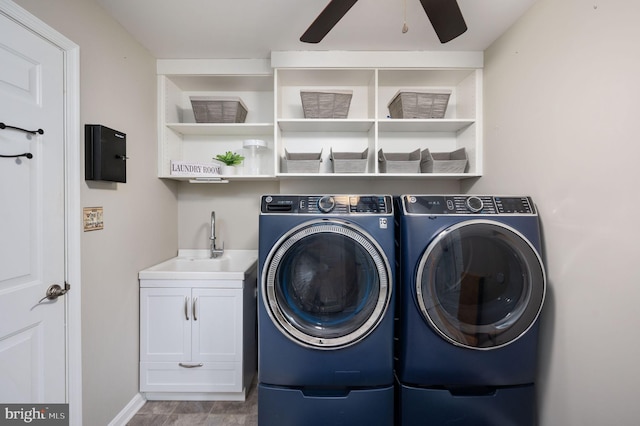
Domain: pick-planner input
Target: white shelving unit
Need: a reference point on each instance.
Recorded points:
(461, 126)
(299, 135)
(182, 139)
(272, 94)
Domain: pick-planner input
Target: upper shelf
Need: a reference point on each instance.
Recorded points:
(232, 129)
(423, 125)
(319, 125)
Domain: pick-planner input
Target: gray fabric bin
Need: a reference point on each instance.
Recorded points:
(444, 162)
(208, 109)
(399, 162)
(349, 162)
(407, 104)
(326, 104)
(301, 162)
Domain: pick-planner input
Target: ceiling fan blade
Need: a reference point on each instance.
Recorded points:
(446, 18)
(327, 19)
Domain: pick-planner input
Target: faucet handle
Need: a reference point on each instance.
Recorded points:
(216, 251)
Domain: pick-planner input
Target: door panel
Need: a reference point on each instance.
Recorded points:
(21, 351)
(217, 325)
(32, 257)
(165, 324)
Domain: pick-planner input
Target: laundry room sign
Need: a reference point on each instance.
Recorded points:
(194, 169)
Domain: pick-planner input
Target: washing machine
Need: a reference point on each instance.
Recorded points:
(326, 310)
(472, 285)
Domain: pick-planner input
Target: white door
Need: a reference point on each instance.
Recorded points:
(32, 218)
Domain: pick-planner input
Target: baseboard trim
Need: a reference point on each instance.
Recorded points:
(128, 411)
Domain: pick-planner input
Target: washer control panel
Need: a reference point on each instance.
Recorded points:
(467, 204)
(326, 204)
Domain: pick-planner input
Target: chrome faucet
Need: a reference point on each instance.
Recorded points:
(215, 252)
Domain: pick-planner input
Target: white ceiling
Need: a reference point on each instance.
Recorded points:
(253, 28)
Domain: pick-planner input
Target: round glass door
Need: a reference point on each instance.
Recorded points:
(326, 284)
(480, 284)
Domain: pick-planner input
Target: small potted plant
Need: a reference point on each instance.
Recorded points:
(230, 160)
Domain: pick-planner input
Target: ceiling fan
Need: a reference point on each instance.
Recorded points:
(445, 16)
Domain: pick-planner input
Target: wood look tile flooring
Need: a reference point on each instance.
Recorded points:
(197, 413)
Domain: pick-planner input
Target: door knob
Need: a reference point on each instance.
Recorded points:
(54, 291)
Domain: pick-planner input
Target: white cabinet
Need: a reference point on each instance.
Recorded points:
(276, 113)
(197, 338)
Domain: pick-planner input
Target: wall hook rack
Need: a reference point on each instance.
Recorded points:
(26, 154)
(33, 132)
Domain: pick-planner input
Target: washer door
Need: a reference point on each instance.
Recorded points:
(326, 284)
(480, 284)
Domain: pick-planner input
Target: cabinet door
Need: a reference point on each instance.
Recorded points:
(165, 324)
(217, 325)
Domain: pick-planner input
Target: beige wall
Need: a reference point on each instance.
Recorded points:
(237, 204)
(118, 90)
(561, 111)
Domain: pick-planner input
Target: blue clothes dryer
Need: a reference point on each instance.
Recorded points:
(472, 285)
(326, 310)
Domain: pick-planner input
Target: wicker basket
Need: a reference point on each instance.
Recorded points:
(349, 162)
(444, 162)
(419, 104)
(399, 162)
(302, 162)
(326, 104)
(207, 109)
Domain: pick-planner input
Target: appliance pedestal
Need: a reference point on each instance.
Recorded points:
(282, 406)
(502, 406)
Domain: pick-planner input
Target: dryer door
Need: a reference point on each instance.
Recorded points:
(480, 284)
(326, 284)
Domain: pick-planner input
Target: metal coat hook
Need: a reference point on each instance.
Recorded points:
(33, 132)
(26, 154)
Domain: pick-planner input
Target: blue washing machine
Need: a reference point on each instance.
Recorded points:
(472, 285)
(325, 310)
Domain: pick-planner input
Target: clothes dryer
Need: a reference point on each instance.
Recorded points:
(472, 285)
(325, 310)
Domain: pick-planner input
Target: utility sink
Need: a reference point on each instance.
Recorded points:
(198, 265)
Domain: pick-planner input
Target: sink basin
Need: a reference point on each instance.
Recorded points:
(197, 265)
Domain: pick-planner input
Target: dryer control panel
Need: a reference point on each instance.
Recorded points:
(326, 204)
(467, 204)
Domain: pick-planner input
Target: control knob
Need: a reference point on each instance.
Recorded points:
(474, 204)
(326, 204)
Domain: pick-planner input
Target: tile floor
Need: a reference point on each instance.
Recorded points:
(197, 413)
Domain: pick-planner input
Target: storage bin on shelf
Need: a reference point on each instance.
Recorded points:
(431, 104)
(213, 109)
(326, 104)
(349, 162)
(444, 162)
(301, 162)
(399, 162)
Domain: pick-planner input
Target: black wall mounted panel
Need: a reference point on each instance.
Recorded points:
(105, 154)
